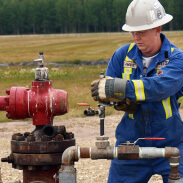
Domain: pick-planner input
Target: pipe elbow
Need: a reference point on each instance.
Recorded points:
(70, 155)
(172, 152)
(173, 155)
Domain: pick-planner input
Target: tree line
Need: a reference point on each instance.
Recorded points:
(73, 16)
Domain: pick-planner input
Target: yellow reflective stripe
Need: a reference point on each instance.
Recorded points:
(139, 90)
(130, 47)
(127, 58)
(172, 49)
(180, 99)
(127, 72)
(167, 107)
(131, 116)
(167, 104)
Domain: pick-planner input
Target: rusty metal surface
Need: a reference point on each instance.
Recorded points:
(107, 153)
(171, 151)
(174, 175)
(127, 152)
(36, 159)
(70, 155)
(41, 146)
(173, 155)
(84, 152)
(102, 142)
(40, 175)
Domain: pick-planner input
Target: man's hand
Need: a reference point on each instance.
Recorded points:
(127, 106)
(109, 89)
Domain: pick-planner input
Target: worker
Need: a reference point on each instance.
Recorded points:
(145, 79)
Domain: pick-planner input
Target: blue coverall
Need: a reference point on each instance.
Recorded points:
(159, 93)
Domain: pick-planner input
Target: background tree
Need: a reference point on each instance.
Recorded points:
(73, 16)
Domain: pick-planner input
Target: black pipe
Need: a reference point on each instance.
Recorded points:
(101, 127)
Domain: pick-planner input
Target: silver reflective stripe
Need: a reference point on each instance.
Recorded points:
(167, 107)
(131, 116)
(139, 90)
(126, 74)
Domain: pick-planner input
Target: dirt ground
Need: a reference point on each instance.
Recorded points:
(85, 130)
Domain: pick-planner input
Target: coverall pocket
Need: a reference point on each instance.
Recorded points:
(171, 129)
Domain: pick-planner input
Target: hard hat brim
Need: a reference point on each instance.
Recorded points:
(167, 18)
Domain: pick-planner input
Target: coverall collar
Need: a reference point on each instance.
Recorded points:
(165, 52)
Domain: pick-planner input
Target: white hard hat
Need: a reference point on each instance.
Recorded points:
(144, 15)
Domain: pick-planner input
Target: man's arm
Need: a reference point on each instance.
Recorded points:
(156, 88)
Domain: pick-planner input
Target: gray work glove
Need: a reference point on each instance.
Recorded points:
(109, 89)
(127, 106)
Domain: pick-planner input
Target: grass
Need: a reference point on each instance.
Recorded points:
(67, 47)
(63, 48)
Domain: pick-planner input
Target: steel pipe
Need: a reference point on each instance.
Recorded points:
(122, 152)
(151, 152)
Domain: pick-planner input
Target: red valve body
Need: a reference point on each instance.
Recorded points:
(41, 102)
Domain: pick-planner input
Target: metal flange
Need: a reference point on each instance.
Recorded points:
(35, 147)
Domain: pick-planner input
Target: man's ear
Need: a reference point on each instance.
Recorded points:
(158, 30)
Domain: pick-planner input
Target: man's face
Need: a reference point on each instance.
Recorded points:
(147, 41)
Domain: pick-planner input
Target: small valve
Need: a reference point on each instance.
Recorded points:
(146, 138)
(89, 111)
(100, 112)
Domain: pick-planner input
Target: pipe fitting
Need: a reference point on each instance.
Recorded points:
(107, 153)
(67, 174)
(102, 142)
(90, 112)
(173, 154)
(128, 152)
(70, 155)
(123, 152)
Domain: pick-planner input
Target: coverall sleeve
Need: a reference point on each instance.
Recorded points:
(158, 87)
